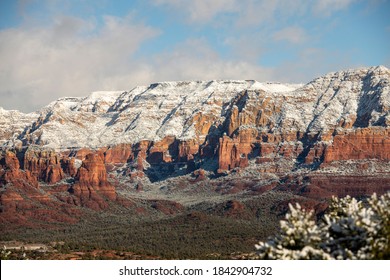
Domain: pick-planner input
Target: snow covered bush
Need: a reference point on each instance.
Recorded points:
(4, 254)
(349, 230)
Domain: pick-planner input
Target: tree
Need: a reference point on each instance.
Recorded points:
(349, 230)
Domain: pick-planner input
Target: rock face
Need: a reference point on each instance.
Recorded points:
(91, 185)
(69, 166)
(331, 111)
(336, 126)
(361, 143)
(343, 185)
(92, 171)
(45, 165)
(11, 173)
(11, 161)
(233, 153)
(21, 193)
(118, 154)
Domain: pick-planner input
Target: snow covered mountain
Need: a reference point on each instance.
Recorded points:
(173, 143)
(348, 98)
(144, 113)
(13, 123)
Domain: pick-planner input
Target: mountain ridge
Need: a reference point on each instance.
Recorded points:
(172, 106)
(176, 146)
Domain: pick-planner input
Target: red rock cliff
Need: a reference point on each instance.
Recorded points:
(362, 143)
(91, 184)
(45, 165)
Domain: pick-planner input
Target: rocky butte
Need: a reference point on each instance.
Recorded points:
(167, 143)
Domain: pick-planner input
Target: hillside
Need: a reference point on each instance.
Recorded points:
(239, 150)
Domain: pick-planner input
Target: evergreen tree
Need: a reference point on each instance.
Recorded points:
(348, 231)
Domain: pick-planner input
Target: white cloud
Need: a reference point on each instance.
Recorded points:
(70, 57)
(327, 7)
(200, 10)
(244, 13)
(311, 63)
(247, 46)
(291, 34)
(253, 12)
(195, 60)
(206, 10)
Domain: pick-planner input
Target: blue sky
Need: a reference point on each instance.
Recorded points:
(58, 48)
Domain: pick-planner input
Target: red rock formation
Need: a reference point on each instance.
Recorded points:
(234, 208)
(45, 165)
(362, 143)
(92, 171)
(163, 151)
(187, 150)
(121, 153)
(141, 152)
(170, 149)
(82, 153)
(91, 183)
(12, 174)
(358, 144)
(167, 207)
(326, 185)
(11, 161)
(316, 153)
(250, 121)
(68, 166)
(233, 152)
(267, 150)
(202, 123)
(255, 128)
(22, 201)
(234, 121)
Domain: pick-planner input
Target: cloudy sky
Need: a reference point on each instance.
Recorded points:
(50, 49)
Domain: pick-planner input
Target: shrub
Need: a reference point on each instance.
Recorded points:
(347, 231)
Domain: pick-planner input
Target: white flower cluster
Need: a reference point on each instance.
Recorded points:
(348, 231)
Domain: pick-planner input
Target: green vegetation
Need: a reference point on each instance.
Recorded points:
(207, 230)
(193, 236)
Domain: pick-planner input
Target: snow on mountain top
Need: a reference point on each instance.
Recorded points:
(97, 100)
(14, 116)
(278, 87)
(359, 96)
(174, 109)
(357, 72)
(12, 123)
(215, 84)
(143, 113)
